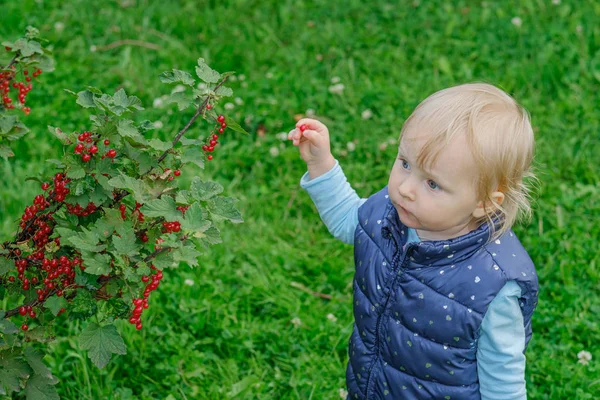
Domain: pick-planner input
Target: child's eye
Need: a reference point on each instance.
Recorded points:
(405, 164)
(432, 185)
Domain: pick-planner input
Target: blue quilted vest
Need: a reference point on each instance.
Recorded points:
(418, 307)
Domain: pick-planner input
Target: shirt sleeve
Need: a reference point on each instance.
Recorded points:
(500, 357)
(336, 202)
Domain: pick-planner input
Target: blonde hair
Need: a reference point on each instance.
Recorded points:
(500, 135)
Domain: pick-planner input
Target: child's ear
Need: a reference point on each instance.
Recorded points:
(480, 210)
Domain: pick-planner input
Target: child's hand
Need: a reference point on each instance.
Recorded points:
(312, 137)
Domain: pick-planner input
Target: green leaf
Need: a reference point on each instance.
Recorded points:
(184, 197)
(102, 342)
(6, 151)
(158, 144)
(40, 389)
(6, 265)
(63, 137)
(163, 207)
(211, 236)
(182, 99)
(127, 129)
(55, 303)
(186, 254)
(192, 154)
(27, 47)
(121, 100)
(224, 91)
(34, 359)
(85, 99)
(231, 124)
(7, 326)
(134, 185)
(96, 263)
(223, 207)
(86, 240)
(177, 76)
(163, 260)
(7, 122)
(83, 305)
(58, 163)
(194, 219)
(204, 190)
(206, 73)
(12, 370)
(126, 244)
(76, 172)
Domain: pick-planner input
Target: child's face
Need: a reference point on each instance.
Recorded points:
(439, 203)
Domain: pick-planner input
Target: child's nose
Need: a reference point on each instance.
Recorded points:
(407, 189)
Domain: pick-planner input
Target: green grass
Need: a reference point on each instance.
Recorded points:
(231, 335)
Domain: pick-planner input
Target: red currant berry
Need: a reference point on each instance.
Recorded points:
(177, 172)
(145, 278)
(93, 149)
(22, 310)
(221, 118)
(221, 130)
(86, 157)
(208, 106)
(223, 125)
(302, 128)
(210, 157)
(106, 142)
(111, 153)
(24, 327)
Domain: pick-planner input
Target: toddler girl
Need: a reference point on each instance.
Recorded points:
(443, 289)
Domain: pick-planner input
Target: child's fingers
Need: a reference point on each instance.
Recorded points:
(312, 124)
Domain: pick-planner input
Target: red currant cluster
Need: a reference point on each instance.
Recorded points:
(24, 88)
(220, 127)
(88, 152)
(142, 303)
(183, 209)
(80, 211)
(59, 191)
(169, 227)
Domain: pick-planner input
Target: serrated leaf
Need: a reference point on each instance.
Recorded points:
(27, 47)
(134, 185)
(102, 342)
(224, 91)
(6, 152)
(7, 327)
(7, 122)
(12, 369)
(163, 260)
(127, 129)
(86, 240)
(126, 244)
(211, 236)
(58, 163)
(194, 219)
(96, 263)
(120, 99)
(204, 190)
(184, 197)
(223, 207)
(34, 359)
(231, 124)
(85, 99)
(163, 207)
(177, 76)
(76, 172)
(186, 254)
(158, 144)
(6, 265)
(40, 389)
(55, 303)
(206, 73)
(83, 305)
(193, 155)
(182, 99)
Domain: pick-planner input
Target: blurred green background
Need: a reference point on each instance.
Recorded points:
(236, 327)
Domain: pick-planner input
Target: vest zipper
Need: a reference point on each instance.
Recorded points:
(395, 273)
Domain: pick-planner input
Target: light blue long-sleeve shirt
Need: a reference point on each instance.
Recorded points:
(500, 358)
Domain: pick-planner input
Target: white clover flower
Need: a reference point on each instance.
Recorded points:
(241, 77)
(269, 75)
(244, 84)
(296, 322)
(516, 21)
(343, 393)
(579, 28)
(202, 86)
(232, 78)
(238, 101)
(319, 57)
(366, 114)
(158, 124)
(556, 2)
(59, 27)
(584, 357)
(157, 103)
(282, 136)
(331, 317)
(337, 88)
(335, 79)
(274, 151)
(229, 106)
(310, 112)
(350, 146)
(189, 282)
(178, 88)
(93, 48)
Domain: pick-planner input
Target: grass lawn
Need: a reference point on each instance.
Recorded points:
(241, 330)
